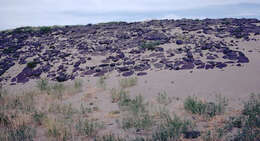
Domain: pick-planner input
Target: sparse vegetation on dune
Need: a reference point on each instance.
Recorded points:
(21, 116)
(211, 109)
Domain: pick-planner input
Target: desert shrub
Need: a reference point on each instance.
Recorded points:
(120, 96)
(163, 98)
(45, 29)
(26, 29)
(20, 133)
(58, 89)
(252, 111)
(87, 127)
(150, 45)
(32, 64)
(101, 82)
(195, 106)
(9, 50)
(141, 121)
(38, 117)
(43, 84)
(78, 84)
(57, 129)
(138, 116)
(247, 123)
(4, 119)
(171, 129)
(128, 82)
(109, 137)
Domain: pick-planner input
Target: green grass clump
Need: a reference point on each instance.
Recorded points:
(43, 84)
(138, 116)
(150, 45)
(211, 109)
(193, 105)
(86, 127)
(20, 133)
(163, 98)
(109, 137)
(171, 129)
(45, 29)
(78, 84)
(128, 82)
(102, 82)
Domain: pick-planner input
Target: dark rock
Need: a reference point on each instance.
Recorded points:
(122, 69)
(156, 36)
(191, 134)
(89, 72)
(77, 64)
(121, 55)
(221, 65)
(141, 73)
(210, 57)
(209, 66)
(37, 72)
(129, 62)
(187, 66)
(103, 65)
(242, 58)
(179, 42)
(128, 73)
(62, 77)
(158, 65)
(105, 42)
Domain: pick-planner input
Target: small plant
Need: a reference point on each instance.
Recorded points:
(21, 133)
(171, 129)
(162, 98)
(45, 29)
(195, 106)
(58, 89)
(252, 110)
(120, 96)
(38, 117)
(56, 129)
(101, 82)
(4, 120)
(128, 82)
(87, 127)
(78, 84)
(150, 45)
(109, 137)
(43, 84)
(32, 64)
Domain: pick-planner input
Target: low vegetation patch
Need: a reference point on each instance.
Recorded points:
(150, 45)
(32, 64)
(128, 82)
(196, 106)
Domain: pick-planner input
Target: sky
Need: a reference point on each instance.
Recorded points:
(17, 13)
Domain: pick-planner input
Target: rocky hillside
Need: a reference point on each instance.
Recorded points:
(63, 53)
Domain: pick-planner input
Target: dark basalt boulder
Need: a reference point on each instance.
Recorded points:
(128, 73)
(242, 58)
(141, 73)
(23, 76)
(187, 66)
(122, 69)
(191, 134)
(62, 77)
(221, 65)
(156, 36)
(179, 42)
